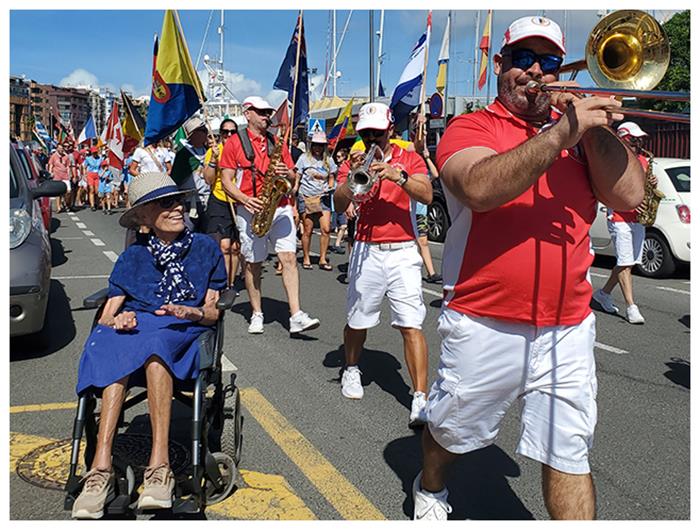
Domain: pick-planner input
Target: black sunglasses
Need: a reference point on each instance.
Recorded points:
(524, 58)
(223, 132)
(168, 202)
(371, 133)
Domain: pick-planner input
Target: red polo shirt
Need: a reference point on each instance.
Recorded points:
(389, 216)
(527, 260)
(629, 216)
(234, 157)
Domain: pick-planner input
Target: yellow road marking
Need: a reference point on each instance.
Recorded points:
(345, 498)
(43, 407)
(264, 497)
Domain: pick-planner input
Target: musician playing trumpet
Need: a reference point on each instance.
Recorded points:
(521, 179)
(385, 258)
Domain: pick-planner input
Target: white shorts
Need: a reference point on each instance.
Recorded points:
(282, 235)
(486, 364)
(628, 239)
(372, 273)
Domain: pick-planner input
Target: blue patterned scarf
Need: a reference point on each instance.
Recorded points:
(175, 286)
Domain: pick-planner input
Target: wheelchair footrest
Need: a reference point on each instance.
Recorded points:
(187, 505)
(119, 506)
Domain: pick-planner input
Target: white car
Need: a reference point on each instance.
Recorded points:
(667, 243)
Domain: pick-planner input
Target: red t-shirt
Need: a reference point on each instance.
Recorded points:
(629, 216)
(527, 260)
(388, 217)
(233, 157)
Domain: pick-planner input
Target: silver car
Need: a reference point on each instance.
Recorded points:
(30, 249)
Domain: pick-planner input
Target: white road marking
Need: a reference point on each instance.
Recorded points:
(687, 283)
(598, 275)
(671, 289)
(95, 277)
(111, 255)
(88, 233)
(98, 242)
(430, 291)
(80, 225)
(611, 349)
(71, 238)
(227, 366)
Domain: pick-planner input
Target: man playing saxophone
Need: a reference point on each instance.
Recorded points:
(385, 258)
(243, 178)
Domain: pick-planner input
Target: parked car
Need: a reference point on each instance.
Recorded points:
(438, 217)
(667, 242)
(36, 174)
(30, 249)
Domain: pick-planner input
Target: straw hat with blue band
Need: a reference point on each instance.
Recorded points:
(149, 187)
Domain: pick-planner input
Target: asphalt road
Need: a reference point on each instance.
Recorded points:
(330, 458)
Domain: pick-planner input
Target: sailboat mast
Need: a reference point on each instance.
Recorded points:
(334, 69)
(371, 55)
(379, 51)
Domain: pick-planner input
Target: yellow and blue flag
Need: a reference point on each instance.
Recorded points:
(342, 126)
(177, 91)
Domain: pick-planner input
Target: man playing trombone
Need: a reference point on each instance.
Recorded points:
(385, 258)
(521, 179)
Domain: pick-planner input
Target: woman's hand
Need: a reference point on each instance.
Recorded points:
(125, 321)
(183, 312)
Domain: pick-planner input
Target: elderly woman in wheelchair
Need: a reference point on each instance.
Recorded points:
(162, 296)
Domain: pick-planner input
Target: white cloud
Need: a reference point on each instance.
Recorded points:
(275, 97)
(239, 84)
(80, 77)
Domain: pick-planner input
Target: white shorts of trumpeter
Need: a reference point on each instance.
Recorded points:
(628, 239)
(282, 235)
(486, 365)
(373, 273)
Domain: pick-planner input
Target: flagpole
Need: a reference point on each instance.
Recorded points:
(447, 72)
(371, 55)
(421, 130)
(379, 51)
(476, 52)
(296, 77)
(488, 59)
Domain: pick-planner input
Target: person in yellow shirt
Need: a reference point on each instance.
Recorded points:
(220, 217)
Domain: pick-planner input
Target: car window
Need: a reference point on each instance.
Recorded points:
(14, 187)
(680, 176)
(25, 163)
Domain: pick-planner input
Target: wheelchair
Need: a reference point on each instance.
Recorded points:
(216, 429)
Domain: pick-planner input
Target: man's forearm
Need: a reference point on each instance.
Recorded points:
(230, 188)
(418, 187)
(342, 197)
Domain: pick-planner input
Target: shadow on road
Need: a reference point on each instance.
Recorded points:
(54, 225)
(58, 253)
(685, 320)
(377, 367)
(59, 328)
(274, 311)
(679, 372)
(477, 482)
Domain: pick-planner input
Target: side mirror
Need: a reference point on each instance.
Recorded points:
(51, 188)
(44, 175)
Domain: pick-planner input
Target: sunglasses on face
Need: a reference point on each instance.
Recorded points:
(371, 133)
(523, 59)
(168, 202)
(226, 132)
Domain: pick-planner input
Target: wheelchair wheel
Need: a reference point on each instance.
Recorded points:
(229, 473)
(231, 433)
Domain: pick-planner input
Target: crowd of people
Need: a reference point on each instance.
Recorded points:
(522, 179)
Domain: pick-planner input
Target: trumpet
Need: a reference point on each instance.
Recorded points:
(627, 54)
(361, 181)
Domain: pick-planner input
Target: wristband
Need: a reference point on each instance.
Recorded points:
(212, 165)
(201, 315)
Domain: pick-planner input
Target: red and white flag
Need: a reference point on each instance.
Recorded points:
(114, 139)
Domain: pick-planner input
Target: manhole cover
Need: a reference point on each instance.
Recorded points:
(47, 466)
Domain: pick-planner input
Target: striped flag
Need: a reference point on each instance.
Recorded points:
(484, 46)
(443, 59)
(342, 126)
(88, 132)
(133, 125)
(114, 139)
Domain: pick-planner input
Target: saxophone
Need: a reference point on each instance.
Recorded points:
(652, 197)
(273, 189)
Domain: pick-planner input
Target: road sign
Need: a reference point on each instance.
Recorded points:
(316, 125)
(436, 105)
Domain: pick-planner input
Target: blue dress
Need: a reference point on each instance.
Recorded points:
(109, 355)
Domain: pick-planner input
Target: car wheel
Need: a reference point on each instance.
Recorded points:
(657, 261)
(438, 222)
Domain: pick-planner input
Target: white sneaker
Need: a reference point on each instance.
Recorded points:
(300, 321)
(606, 301)
(418, 410)
(429, 506)
(633, 315)
(256, 323)
(351, 385)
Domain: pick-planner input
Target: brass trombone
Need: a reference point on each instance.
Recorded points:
(627, 54)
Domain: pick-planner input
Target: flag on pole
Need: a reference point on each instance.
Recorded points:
(381, 93)
(281, 116)
(177, 91)
(292, 75)
(41, 132)
(114, 140)
(88, 132)
(407, 93)
(133, 125)
(443, 59)
(342, 126)
(484, 46)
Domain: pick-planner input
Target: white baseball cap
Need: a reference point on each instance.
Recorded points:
(256, 102)
(374, 116)
(319, 137)
(534, 27)
(631, 128)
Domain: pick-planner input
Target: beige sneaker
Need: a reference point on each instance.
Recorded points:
(158, 485)
(97, 490)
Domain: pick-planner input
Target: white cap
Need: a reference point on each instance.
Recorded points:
(631, 128)
(319, 137)
(256, 102)
(374, 116)
(534, 27)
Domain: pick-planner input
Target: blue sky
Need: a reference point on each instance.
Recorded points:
(113, 48)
